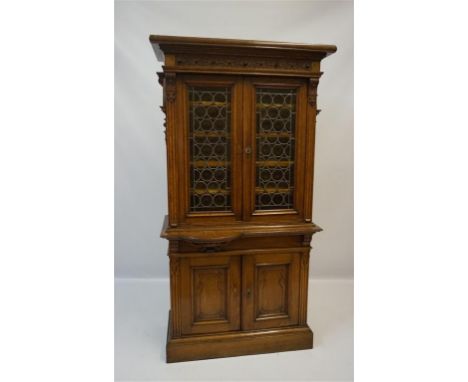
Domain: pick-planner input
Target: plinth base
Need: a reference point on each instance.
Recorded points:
(231, 344)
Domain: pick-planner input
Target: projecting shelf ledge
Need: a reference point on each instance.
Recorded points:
(226, 233)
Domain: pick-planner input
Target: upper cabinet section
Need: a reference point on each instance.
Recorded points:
(240, 129)
(212, 55)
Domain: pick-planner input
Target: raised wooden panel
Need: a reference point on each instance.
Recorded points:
(210, 294)
(271, 294)
(210, 290)
(270, 284)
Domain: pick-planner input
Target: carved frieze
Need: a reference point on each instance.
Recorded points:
(251, 63)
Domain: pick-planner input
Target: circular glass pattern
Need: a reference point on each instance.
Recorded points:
(284, 113)
(272, 112)
(219, 200)
(199, 111)
(219, 97)
(209, 134)
(219, 175)
(276, 119)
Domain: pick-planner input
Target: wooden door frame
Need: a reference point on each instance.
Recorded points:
(183, 169)
(250, 265)
(187, 294)
(249, 142)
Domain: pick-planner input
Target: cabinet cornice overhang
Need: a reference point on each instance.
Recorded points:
(210, 55)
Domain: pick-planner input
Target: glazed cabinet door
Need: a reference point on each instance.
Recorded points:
(270, 290)
(210, 148)
(275, 113)
(210, 294)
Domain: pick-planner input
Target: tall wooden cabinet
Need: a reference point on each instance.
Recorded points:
(240, 134)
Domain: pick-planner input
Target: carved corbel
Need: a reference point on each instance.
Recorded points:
(312, 91)
(163, 109)
(170, 86)
(173, 246)
(160, 78)
(306, 239)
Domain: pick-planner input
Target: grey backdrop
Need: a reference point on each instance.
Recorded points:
(140, 161)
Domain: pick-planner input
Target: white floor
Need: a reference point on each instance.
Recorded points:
(141, 308)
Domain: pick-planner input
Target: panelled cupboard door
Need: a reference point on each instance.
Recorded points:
(275, 111)
(210, 294)
(270, 290)
(209, 143)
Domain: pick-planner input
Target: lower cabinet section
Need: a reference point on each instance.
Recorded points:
(238, 303)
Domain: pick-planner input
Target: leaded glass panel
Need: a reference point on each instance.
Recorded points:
(210, 154)
(275, 139)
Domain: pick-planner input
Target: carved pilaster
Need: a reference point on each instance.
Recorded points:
(174, 264)
(310, 145)
(171, 142)
(303, 289)
(305, 260)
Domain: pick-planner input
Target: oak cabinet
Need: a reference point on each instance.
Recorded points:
(240, 135)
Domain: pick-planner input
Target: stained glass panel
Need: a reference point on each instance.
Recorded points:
(275, 139)
(209, 134)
